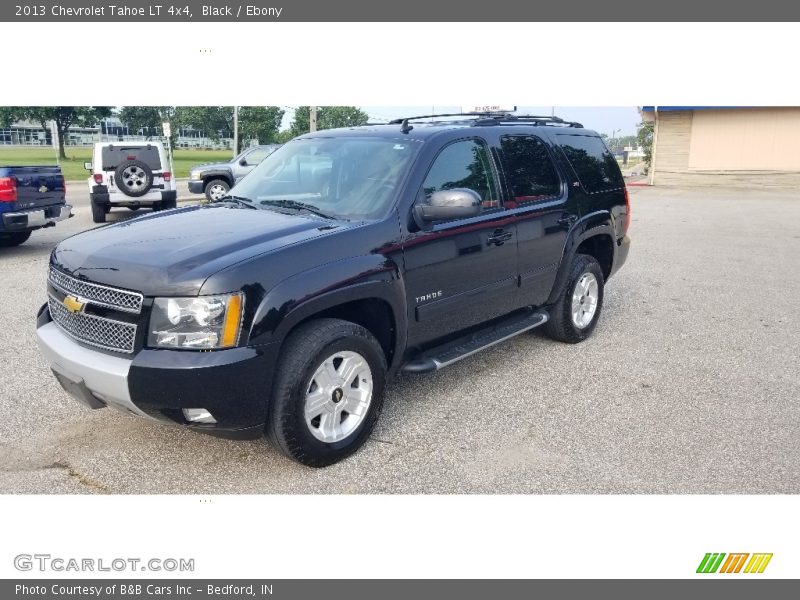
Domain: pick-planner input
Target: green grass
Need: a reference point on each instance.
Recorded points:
(73, 169)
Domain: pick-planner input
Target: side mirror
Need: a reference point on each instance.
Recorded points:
(87, 166)
(243, 162)
(458, 203)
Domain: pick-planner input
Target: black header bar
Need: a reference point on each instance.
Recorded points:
(400, 11)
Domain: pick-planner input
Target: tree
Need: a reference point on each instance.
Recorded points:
(8, 115)
(260, 123)
(644, 137)
(149, 119)
(214, 121)
(328, 117)
(283, 136)
(64, 116)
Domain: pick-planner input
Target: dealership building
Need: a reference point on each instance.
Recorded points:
(709, 145)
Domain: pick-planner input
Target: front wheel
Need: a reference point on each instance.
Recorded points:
(8, 240)
(216, 189)
(575, 314)
(328, 392)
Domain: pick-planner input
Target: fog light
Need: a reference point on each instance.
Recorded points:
(198, 415)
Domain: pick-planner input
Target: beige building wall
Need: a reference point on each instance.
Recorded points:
(755, 146)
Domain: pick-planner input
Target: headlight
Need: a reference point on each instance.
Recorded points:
(194, 175)
(203, 322)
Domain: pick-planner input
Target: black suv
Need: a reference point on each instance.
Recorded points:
(346, 256)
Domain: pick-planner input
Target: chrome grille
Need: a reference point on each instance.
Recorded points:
(94, 330)
(101, 295)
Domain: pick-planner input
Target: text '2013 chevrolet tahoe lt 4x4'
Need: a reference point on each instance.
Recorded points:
(344, 257)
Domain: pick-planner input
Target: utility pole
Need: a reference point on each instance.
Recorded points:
(312, 119)
(56, 144)
(235, 131)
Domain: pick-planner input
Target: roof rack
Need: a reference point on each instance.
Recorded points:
(489, 118)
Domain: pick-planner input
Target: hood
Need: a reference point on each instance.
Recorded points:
(173, 253)
(212, 165)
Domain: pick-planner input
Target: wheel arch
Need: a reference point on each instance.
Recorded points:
(594, 235)
(374, 300)
(207, 178)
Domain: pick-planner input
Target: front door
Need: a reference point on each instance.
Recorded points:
(460, 273)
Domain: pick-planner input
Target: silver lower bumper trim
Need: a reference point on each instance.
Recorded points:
(105, 376)
(36, 218)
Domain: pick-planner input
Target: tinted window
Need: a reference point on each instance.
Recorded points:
(463, 164)
(529, 171)
(114, 156)
(595, 166)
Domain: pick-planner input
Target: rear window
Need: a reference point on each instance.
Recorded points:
(593, 163)
(114, 156)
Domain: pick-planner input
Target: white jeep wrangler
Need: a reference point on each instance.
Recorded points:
(132, 175)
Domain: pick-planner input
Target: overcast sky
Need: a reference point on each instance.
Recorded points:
(603, 119)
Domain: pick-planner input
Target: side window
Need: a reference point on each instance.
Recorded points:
(464, 164)
(593, 163)
(529, 171)
(256, 156)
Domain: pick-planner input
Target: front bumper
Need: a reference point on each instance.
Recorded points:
(233, 385)
(34, 219)
(197, 187)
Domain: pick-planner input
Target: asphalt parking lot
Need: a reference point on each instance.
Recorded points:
(689, 385)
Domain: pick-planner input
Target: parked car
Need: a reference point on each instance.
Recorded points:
(132, 175)
(344, 257)
(30, 198)
(215, 179)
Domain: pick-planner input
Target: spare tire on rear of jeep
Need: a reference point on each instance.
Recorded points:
(133, 178)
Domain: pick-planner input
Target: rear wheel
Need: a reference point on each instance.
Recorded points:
(14, 239)
(328, 392)
(575, 314)
(216, 189)
(99, 212)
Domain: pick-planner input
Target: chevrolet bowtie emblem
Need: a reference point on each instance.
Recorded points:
(73, 304)
(43, 189)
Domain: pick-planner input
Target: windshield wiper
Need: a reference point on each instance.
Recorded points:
(240, 200)
(296, 205)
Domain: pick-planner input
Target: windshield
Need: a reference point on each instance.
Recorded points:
(345, 178)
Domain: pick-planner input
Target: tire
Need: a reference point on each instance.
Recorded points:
(216, 188)
(302, 375)
(7, 240)
(133, 208)
(133, 178)
(169, 204)
(564, 325)
(99, 212)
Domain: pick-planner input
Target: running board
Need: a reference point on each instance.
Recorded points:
(442, 356)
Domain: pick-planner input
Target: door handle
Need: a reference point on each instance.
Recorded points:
(498, 237)
(568, 220)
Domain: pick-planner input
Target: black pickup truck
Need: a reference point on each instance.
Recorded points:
(30, 198)
(344, 257)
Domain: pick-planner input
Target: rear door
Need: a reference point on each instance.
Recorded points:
(462, 272)
(538, 198)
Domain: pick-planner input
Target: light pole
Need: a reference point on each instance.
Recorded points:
(235, 131)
